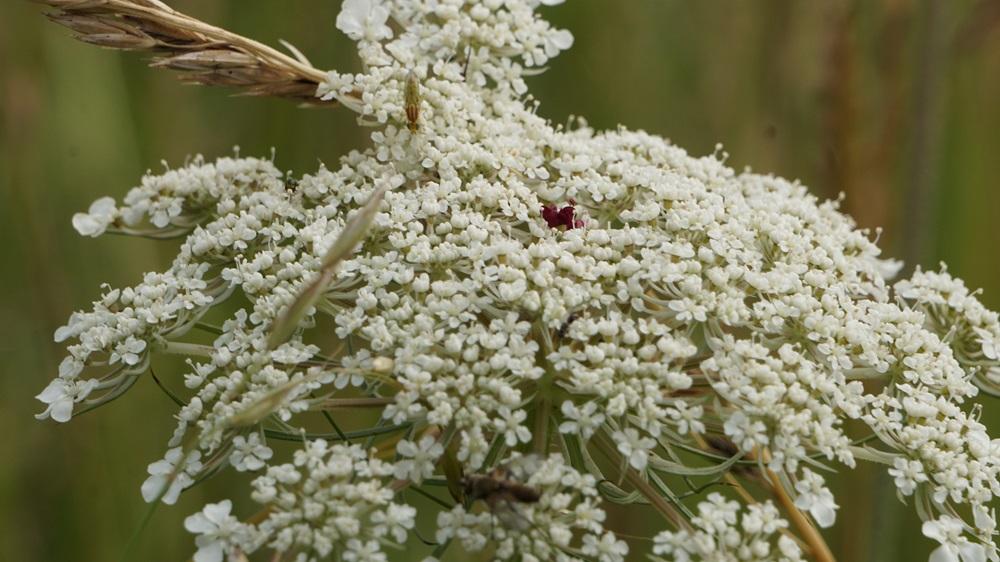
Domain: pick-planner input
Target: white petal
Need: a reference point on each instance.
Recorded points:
(87, 225)
(62, 410)
(70, 367)
(824, 515)
(54, 391)
(932, 530)
(62, 334)
(352, 16)
(562, 39)
(103, 208)
(200, 524)
(217, 512)
(174, 491)
(152, 487)
(211, 552)
(943, 553)
(972, 552)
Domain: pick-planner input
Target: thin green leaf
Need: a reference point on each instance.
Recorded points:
(663, 465)
(361, 434)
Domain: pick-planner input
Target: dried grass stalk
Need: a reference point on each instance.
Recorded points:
(199, 52)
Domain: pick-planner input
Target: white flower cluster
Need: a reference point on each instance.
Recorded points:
(528, 287)
(726, 532)
(972, 331)
(331, 499)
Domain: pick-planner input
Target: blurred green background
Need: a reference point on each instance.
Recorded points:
(895, 103)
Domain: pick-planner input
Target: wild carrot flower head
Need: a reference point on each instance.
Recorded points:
(443, 283)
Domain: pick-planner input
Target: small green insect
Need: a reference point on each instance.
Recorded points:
(411, 98)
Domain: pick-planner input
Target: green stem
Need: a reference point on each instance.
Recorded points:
(641, 485)
(543, 411)
(367, 402)
(183, 348)
(344, 436)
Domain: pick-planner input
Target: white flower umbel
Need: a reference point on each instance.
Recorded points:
(477, 284)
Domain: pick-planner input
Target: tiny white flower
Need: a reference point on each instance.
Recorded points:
(161, 471)
(508, 423)
(607, 549)
(419, 458)
(584, 420)
(558, 41)
(367, 551)
(61, 394)
(908, 474)
(947, 530)
(97, 218)
(364, 19)
(396, 521)
(816, 498)
(990, 343)
(214, 527)
(249, 453)
(634, 446)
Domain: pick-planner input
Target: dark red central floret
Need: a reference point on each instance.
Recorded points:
(566, 216)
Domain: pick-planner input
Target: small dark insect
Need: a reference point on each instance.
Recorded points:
(722, 445)
(411, 98)
(727, 448)
(497, 488)
(566, 324)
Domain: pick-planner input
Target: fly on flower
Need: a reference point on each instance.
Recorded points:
(411, 98)
(501, 490)
(564, 327)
